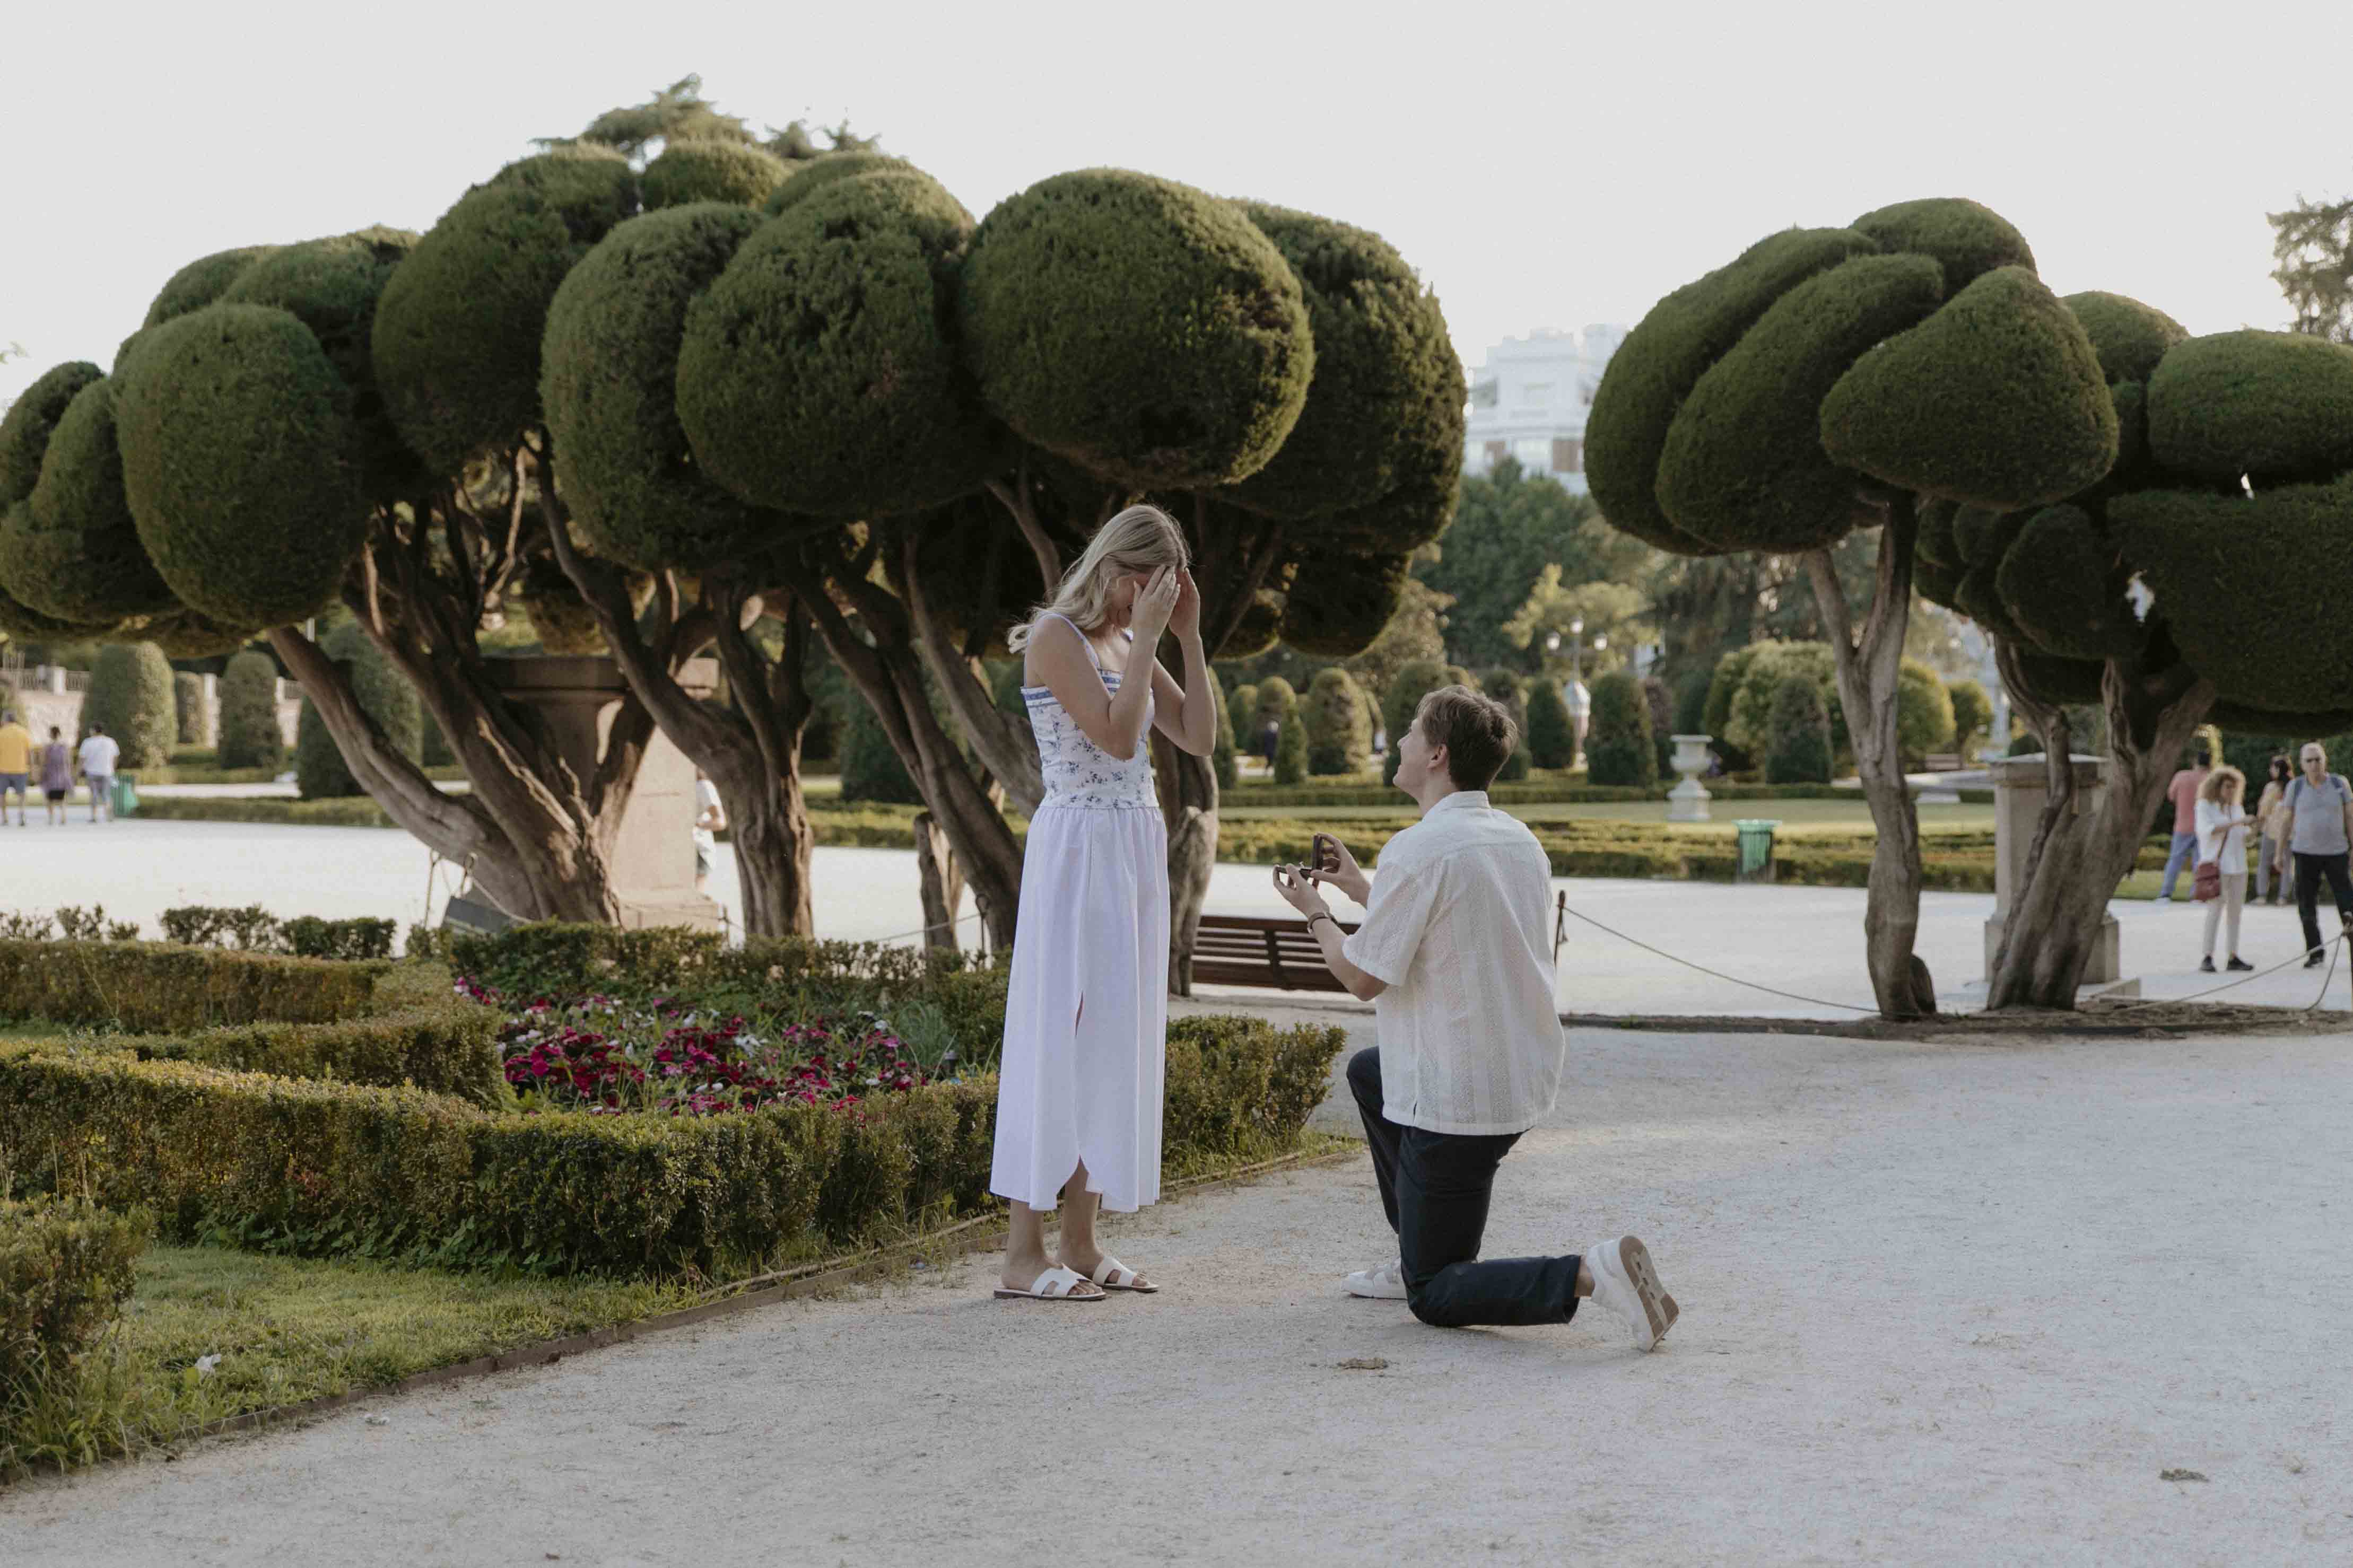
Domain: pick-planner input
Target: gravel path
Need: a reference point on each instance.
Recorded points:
(1942, 1304)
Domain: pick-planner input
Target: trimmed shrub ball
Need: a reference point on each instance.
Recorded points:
(237, 437)
(457, 340)
(1963, 237)
(1663, 358)
(610, 389)
(1338, 604)
(1386, 376)
(332, 286)
(2063, 585)
(1744, 466)
(16, 617)
(201, 283)
(705, 169)
(1996, 400)
(2128, 336)
(32, 421)
(1339, 724)
(72, 551)
(819, 374)
(804, 181)
(1142, 329)
(2277, 407)
(1800, 748)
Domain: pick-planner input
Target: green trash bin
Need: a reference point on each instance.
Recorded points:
(1756, 863)
(126, 797)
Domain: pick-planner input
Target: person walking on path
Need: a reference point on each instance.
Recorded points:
(709, 821)
(2223, 843)
(98, 758)
(2183, 793)
(2270, 845)
(1086, 1017)
(2320, 807)
(56, 775)
(15, 766)
(1456, 957)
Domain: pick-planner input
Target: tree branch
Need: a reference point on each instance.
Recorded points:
(1007, 753)
(1016, 499)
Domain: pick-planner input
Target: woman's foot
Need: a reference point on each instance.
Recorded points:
(1023, 1278)
(2206, 965)
(2238, 963)
(1089, 1261)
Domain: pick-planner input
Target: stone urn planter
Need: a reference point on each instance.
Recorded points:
(1687, 801)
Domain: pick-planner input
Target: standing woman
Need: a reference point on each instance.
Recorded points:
(56, 775)
(1086, 1019)
(2222, 841)
(2272, 870)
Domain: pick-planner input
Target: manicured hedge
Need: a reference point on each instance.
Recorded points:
(65, 1272)
(449, 1047)
(157, 986)
(320, 1167)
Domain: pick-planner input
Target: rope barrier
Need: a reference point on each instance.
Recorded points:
(2335, 944)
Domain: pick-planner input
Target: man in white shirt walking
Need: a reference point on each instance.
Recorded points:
(98, 758)
(1455, 955)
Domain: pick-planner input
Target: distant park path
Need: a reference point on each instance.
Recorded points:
(1942, 1304)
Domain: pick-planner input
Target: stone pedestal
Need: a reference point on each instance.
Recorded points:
(653, 853)
(2021, 786)
(1687, 801)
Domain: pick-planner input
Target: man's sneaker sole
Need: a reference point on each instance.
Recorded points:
(1657, 1305)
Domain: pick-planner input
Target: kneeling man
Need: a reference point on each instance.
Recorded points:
(1456, 959)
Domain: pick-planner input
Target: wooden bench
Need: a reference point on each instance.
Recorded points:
(1942, 762)
(1261, 950)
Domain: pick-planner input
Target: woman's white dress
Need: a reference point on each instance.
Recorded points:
(1086, 1021)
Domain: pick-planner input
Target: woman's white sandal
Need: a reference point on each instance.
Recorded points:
(1056, 1284)
(1113, 1275)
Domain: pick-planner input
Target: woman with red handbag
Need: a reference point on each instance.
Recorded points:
(2222, 879)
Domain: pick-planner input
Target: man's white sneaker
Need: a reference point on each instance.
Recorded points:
(1625, 1282)
(1386, 1283)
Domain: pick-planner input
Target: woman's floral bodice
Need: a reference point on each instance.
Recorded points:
(1078, 772)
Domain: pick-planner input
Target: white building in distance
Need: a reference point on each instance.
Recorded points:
(1529, 399)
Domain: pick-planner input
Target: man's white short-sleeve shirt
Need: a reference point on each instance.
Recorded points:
(1470, 1034)
(98, 756)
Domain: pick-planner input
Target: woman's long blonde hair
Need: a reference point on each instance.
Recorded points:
(1140, 539)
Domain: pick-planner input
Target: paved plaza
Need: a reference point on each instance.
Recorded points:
(1805, 940)
(1942, 1303)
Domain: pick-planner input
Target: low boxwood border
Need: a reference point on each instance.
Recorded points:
(321, 1167)
(65, 1272)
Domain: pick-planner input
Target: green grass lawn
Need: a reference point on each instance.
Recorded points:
(287, 1329)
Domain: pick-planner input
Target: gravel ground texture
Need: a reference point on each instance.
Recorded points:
(2051, 1300)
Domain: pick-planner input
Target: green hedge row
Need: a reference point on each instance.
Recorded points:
(323, 1167)
(147, 986)
(370, 1023)
(65, 1271)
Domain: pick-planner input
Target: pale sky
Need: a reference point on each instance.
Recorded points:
(1542, 165)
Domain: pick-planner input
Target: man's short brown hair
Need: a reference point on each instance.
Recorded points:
(1476, 731)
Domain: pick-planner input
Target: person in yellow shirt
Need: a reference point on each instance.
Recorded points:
(15, 766)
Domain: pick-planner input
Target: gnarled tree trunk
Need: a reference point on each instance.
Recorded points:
(751, 749)
(2077, 859)
(1869, 669)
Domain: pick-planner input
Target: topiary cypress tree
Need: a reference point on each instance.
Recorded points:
(191, 723)
(1924, 719)
(384, 693)
(1972, 715)
(1800, 750)
(1223, 758)
(1617, 749)
(707, 169)
(249, 734)
(1339, 737)
(1879, 376)
(1290, 753)
(1552, 737)
(1276, 701)
(130, 695)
